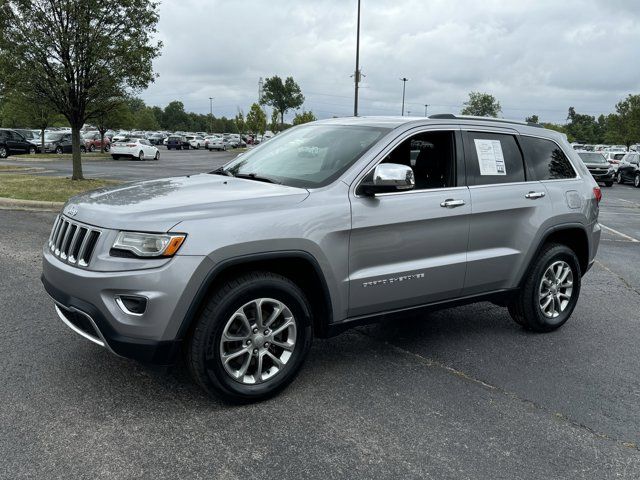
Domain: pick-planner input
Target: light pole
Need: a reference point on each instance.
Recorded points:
(426, 105)
(404, 84)
(210, 114)
(356, 76)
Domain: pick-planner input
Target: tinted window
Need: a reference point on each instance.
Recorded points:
(588, 157)
(547, 161)
(492, 158)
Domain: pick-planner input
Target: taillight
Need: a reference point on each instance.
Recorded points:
(597, 193)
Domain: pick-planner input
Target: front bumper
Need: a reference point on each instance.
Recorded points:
(86, 302)
(603, 177)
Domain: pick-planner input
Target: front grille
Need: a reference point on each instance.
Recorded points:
(73, 242)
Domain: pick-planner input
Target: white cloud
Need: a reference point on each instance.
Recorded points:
(535, 56)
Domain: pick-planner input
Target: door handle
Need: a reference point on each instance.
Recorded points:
(451, 203)
(535, 195)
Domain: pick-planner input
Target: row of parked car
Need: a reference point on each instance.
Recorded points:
(606, 170)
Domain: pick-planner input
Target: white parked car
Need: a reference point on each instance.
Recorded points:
(135, 148)
(614, 158)
(195, 141)
(218, 143)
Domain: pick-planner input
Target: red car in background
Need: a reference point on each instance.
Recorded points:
(91, 142)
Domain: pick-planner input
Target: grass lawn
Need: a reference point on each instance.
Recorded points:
(49, 189)
(12, 167)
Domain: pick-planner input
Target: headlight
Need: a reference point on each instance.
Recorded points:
(149, 244)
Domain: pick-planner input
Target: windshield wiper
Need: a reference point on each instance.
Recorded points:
(222, 171)
(255, 176)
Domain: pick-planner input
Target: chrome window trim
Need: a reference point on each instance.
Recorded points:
(509, 184)
(409, 192)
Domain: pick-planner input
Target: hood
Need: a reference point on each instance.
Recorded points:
(158, 205)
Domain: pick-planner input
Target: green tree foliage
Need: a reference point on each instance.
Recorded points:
(113, 113)
(256, 120)
(532, 119)
(274, 126)
(175, 118)
(582, 128)
(304, 117)
(282, 96)
(240, 122)
(76, 53)
(628, 121)
(481, 105)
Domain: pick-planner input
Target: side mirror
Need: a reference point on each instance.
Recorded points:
(389, 177)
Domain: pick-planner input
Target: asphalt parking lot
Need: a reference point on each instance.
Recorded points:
(462, 393)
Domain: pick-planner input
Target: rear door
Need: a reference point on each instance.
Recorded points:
(508, 209)
(409, 248)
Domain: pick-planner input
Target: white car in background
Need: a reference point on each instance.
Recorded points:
(195, 141)
(614, 158)
(218, 143)
(134, 148)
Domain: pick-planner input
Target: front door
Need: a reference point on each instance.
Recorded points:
(409, 248)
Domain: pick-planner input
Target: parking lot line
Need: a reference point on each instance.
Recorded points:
(623, 235)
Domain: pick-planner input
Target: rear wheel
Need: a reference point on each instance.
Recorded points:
(115, 157)
(619, 178)
(4, 152)
(107, 147)
(550, 292)
(92, 148)
(32, 150)
(157, 157)
(636, 180)
(83, 149)
(59, 150)
(251, 339)
(141, 155)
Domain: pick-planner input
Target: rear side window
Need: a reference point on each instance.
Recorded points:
(545, 159)
(493, 158)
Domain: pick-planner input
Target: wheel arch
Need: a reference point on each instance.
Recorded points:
(299, 266)
(573, 235)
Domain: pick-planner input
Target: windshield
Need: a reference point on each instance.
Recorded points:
(589, 157)
(309, 156)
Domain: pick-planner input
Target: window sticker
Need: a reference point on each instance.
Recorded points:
(490, 157)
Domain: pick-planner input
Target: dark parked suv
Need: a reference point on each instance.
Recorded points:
(13, 142)
(326, 226)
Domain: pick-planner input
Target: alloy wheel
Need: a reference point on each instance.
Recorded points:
(3, 152)
(555, 289)
(258, 341)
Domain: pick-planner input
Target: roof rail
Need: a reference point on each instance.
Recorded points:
(451, 116)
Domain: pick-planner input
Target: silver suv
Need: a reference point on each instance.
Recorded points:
(329, 225)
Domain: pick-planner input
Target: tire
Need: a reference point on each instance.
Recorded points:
(83, 149)
(4, 152)
(115, 157)
(619, 178)
(224, 149)
(141, 156)
(205, 347)
(59, 150)
(526, 307)
(107, 147)
(157, 157)
(92, 148)
(32, 150)
(636, 180)
(608, 184)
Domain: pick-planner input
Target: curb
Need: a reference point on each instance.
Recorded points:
(33, 205)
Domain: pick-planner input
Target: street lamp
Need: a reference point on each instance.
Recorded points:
(404, 85)
(210, 114)
(356, 75)
(426, 105)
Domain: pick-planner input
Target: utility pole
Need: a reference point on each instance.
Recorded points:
(356, 75)
(426, 105)
(404, 85)
(260, 85)
(211, 114)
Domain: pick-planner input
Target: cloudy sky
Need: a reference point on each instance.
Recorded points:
(536, 56)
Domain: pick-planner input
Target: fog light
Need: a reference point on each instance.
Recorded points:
(132, 304)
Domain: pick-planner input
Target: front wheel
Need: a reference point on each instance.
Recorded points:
(550, 292)
(619, 178)
(157, 157)
(92, 148)
(83, 149)
(107, 147)
(4, 152)
(636, 180)
(251, 339)
(59, 150)
(115, 157)
(32, 150)
(141, 155)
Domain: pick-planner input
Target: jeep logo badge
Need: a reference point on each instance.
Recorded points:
(72, 211)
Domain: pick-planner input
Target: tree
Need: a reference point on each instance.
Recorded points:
(581, 128)
(239, 121)
(532, 119)
(175, 118)
(76, 53)
(146, 120)
(281, 96)
(628, 111)
(481, 105)
(256, 120)
(304, 117)
(113, 113)
(274, 121)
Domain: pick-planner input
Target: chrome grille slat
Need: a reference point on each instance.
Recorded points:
(73, 242)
